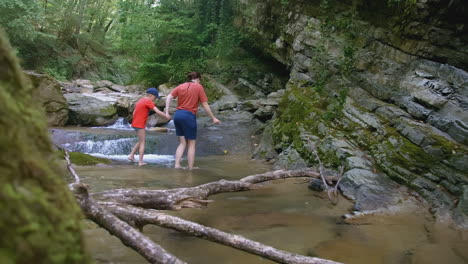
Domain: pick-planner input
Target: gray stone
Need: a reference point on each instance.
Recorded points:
(264, 113)
(365, 100)
(459, 161)
(90, 111)
(371, 191)
(451, 188)
(316, 185)
(265, 149)
(81, 82)
(452, 111)
(155, 120)
(458, 132)
(117, 88)
(47, 92)
(413, 131)
(461, 212)
(358, 163)
(276, 95)
(430, 98)
(390, 112)
(415, 109)
(432, 192)
(289, 159)
(103, 83)
(137, 88)
(85, 88)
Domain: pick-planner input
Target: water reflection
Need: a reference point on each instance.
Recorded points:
(283, 213)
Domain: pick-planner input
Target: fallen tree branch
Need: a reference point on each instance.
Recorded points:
(175, 199)
(126, 233)
(333, 198)
(143, 217)
(115, 217)
(70, 168)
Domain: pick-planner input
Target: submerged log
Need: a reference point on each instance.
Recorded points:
(143, 217)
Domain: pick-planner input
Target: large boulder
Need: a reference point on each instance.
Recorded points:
(47, 91)
(89, 110)
(40, 222)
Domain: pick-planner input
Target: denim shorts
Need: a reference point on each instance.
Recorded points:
(186, 124)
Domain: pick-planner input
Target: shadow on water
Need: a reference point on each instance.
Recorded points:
(284, 213)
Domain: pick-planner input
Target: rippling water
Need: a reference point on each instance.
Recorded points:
(284, 213)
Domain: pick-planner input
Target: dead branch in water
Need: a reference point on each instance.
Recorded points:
(115, 211)
(332, 193)
(176, 199)
(143, 217)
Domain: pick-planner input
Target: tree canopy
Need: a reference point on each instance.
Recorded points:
(151, 41)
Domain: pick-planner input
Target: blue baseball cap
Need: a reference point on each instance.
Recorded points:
(153, 91)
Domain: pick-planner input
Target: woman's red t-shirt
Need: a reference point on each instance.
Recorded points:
(189, 95)
(142, 108)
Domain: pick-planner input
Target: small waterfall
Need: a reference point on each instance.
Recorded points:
(117, 147)
(120, 124)
(104, 147)
(165, 160)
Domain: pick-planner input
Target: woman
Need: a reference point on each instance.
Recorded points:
(189, 95)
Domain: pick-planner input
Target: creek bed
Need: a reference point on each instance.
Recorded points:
(284, 214)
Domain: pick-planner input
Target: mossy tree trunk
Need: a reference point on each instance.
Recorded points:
(40, 221)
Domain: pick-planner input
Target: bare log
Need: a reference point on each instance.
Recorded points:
(126, 233)
(143, 217)
(175, 199)
(280, 174)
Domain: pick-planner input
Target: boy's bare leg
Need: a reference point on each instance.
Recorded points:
(131, 156)
(191, 153)
(180, 151)
(141, 133)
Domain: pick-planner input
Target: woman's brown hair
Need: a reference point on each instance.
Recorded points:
(193, 76)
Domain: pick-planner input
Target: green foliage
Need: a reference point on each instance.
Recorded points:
(401, 2)
(152, 42)
(20, 18)
(173, 38)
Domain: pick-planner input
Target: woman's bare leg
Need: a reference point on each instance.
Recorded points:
(180, 151)
(191, 153)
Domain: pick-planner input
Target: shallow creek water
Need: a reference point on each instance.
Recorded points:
(284, 214)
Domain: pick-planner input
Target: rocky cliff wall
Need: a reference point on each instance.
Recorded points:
(377, 86)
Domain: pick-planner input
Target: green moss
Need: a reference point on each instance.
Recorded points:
(40, 221)
(211, 91)
(108, 110)
(82, 159)
(448, 146)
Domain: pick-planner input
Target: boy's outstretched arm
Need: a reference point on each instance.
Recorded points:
(157, 111)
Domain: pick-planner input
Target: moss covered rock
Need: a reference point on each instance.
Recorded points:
(40, 221)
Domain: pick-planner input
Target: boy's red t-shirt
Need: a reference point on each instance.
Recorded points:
(190, 95)
(142, 108)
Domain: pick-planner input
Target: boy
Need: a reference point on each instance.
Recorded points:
(140, 116)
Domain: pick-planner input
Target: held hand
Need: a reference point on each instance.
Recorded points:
(216, 121)
(168, 116)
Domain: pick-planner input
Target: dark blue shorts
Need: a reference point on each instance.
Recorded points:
(186, 124)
